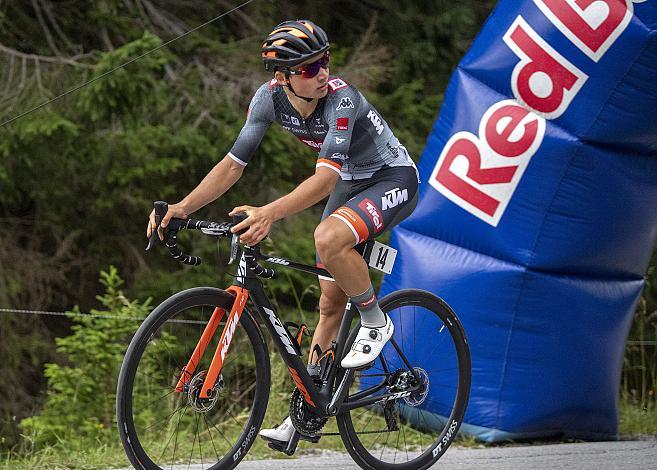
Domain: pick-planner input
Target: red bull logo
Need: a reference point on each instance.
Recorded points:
(480, 173)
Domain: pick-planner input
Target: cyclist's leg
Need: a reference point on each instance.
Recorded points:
(335, 244)
(331, 305)
(332, 302)
(385, 199)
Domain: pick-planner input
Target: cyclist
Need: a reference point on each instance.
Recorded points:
(371, 180)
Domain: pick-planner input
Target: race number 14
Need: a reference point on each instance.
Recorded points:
(382, 257)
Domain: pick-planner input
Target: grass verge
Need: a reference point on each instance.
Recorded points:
(635, 422)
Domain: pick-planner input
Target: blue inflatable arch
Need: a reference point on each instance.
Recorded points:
(538, 211)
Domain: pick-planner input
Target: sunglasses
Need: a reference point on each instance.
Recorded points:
(311, 70)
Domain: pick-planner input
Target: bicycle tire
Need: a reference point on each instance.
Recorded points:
(148, 348)
(426, 456)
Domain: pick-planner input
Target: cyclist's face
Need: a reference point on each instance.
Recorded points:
(315, 87)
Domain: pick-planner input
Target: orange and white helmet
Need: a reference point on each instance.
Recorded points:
(293, 42)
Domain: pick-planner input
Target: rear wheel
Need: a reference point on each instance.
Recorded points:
(411, 431)
(161, 427)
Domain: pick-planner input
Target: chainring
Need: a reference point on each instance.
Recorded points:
(303, 419)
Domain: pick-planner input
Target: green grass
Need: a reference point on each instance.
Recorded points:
(637, 420)
(69, 455)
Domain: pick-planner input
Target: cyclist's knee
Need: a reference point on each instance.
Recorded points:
(332, 237)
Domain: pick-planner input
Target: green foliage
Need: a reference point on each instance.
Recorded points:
(78, 177)
(151, 130)
(81, 388)
(28, 150)
(23, 344)
(637, 421)
(639, 387)
(419, 111)
(293, 239)
(129, 90)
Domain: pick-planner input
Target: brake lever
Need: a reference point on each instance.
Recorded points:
(235, 240)
(234, 245)
(161, 209)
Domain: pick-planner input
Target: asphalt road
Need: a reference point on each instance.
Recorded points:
(620, 455)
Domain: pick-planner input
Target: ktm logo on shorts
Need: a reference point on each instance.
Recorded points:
(373, 213)
(393, 198)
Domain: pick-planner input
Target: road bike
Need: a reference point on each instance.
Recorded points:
(195, 381)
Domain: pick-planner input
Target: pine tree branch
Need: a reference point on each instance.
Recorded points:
(42, 58)
(168, 24)
(44, 27)
(10, 75)
(252, 24)
(47, 7)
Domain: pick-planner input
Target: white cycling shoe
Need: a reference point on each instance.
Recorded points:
(282, 433)
(368, 345)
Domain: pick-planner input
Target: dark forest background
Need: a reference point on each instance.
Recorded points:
(78, 177)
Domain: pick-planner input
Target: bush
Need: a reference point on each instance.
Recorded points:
(82, 389)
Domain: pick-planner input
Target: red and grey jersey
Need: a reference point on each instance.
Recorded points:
(348, 133)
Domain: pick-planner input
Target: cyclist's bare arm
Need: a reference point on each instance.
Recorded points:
(307, 194)
(219, 180)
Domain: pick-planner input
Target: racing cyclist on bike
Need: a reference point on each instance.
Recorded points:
(371, 180)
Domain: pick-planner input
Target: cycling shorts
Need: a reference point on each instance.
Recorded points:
(371, 206)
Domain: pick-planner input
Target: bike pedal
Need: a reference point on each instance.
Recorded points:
(281, 446)
(291, 447)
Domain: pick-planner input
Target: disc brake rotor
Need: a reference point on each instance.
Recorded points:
(203, 405)
(418, 397)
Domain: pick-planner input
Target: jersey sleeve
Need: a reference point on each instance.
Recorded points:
(340, 113)
(258, 119)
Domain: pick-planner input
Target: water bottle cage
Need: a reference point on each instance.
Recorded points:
(302, 330)
(326, 359)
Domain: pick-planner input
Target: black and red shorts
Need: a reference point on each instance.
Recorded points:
(371, 206)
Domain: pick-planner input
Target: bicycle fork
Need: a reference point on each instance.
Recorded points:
(241, 296)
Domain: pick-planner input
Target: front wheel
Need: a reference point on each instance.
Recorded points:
(161, 426)
(410, 431)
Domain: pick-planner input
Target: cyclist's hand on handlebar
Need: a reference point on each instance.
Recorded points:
(259, 221)
(174, 210)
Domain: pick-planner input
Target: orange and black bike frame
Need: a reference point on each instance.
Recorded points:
(324, 401)
(248, 285)
(241, 296)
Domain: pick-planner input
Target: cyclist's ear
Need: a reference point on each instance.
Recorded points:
(280, 78)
